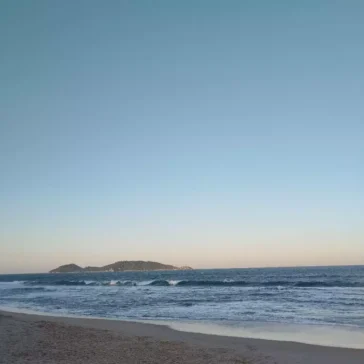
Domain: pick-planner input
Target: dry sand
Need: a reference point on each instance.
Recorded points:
(39, 339)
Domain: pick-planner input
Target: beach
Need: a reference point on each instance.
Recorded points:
(28, 338)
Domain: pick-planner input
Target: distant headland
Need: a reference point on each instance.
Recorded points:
(122, 266)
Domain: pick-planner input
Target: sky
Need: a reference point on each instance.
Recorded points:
(204, 133)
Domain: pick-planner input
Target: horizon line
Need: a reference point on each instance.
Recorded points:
(266, 267)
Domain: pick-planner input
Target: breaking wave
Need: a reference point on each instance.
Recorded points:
(198, 283)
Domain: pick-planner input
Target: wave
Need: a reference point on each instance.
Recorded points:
(80, 283)
(161, 283)
(273, 284)
(200, 283)
(223, 283)
(12, 283)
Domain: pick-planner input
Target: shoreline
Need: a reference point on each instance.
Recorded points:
(255, 350)
(346, 337)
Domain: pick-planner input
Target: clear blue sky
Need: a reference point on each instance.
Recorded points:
(207, 133)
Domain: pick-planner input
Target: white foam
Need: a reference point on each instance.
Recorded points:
(173, 283)
(90, 282)
(145, 283)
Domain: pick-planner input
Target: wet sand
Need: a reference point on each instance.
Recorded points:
(46, 339)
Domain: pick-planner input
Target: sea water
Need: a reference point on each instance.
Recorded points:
(320, 305)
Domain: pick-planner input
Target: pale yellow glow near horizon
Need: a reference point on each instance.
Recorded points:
(249, 251)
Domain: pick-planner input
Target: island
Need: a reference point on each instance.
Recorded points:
(121, 266)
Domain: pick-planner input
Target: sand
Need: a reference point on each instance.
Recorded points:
(44, 339)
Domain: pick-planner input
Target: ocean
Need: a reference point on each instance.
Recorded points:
(323, 305)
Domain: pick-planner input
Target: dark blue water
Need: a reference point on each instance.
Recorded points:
(320, 295)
